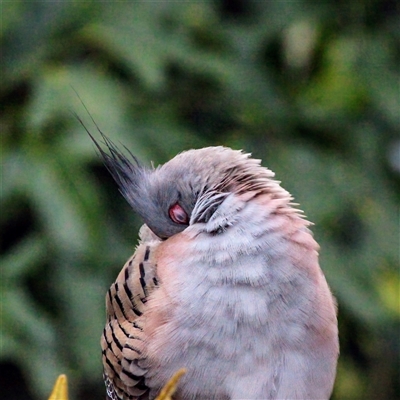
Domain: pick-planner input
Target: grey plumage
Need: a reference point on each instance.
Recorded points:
(237, 297)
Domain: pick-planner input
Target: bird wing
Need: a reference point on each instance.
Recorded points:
(121, 341)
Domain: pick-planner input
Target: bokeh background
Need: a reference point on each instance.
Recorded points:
(311, 87)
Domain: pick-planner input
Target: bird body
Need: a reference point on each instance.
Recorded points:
(225, 282)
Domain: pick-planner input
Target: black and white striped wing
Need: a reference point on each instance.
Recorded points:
(122, 341)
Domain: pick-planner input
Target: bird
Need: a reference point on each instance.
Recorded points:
(225, 282)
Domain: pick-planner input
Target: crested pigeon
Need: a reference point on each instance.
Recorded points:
(225, 282)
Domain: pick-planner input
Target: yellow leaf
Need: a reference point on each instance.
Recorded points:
(60, 389)
(169, 389)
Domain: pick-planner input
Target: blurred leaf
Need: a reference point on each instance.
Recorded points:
(22, 258)
(389, 289)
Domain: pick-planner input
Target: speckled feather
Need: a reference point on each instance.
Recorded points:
(121, 339)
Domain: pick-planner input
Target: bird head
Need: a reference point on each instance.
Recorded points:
(189, 188)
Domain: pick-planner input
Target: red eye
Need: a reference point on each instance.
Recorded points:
(178, 214)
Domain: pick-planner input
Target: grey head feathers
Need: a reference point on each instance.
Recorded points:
(193, 184)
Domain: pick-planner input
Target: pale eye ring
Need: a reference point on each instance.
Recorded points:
(178, 214)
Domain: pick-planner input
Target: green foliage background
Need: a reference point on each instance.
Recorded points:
(312, 88)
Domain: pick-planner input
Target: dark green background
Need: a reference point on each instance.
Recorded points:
(311, 87)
